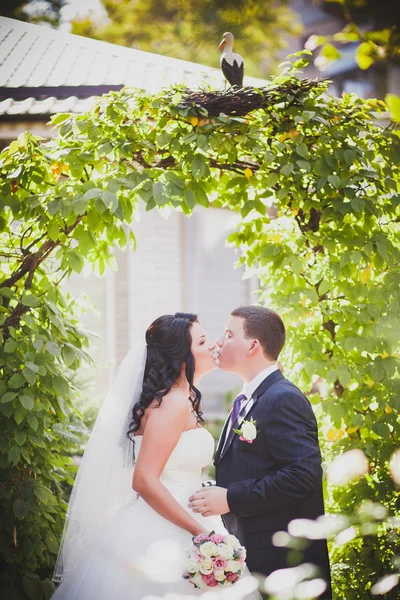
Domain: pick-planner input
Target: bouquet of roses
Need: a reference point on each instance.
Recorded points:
(214, 560)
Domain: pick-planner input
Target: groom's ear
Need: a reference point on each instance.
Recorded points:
(253, 348)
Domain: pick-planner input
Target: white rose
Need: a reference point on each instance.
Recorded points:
(207, 566)
(208, 549)
(219, 575)
(197, 580)
(233, 566)
(191, 566)
(232, 541)
(249, 431)
(225, 551)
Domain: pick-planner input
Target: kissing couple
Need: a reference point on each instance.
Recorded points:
(138, 498)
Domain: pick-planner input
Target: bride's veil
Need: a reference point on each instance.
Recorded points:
(104, 480)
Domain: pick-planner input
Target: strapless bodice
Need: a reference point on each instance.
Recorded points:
(193, 452)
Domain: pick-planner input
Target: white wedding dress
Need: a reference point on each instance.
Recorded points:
(139, 554)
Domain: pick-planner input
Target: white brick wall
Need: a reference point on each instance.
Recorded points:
(181, 264)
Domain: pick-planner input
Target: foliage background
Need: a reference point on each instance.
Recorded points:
(315, 180)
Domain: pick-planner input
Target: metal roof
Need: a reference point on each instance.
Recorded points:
(44, 71)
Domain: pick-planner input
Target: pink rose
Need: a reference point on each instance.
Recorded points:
(209, 580)
(201, 536)
(232, 577)
(242, 439)
(219, 563)
(217, 538)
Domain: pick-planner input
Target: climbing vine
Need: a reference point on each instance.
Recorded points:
(314, 181)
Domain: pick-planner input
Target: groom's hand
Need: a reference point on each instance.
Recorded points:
(210, 501)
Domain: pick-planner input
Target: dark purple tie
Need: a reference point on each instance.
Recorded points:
(236, 408)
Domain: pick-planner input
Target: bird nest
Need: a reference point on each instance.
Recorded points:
(240, 101)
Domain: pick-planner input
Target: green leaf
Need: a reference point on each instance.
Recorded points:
(87, 241)
(158, 193)
(60, 385)
(190, 198)
(31, 365)
(110, 200)
(53, 348)
(201, 197)
(60, 118)
(198, 166)
(32, 586)
(20, 438)
(6, 292)
(93, 220)
(304, 164)
(321, 168)
(10, 346)
(14, 455)
(271, 180)
(302, 150)
(7, 397)
(239, 180)
(29, 300)
(92, 194)
(20, 509)
(19, 414)
(393, 103)
(324, 287)
(75, 260)
(334, 180)
(26, 401)
(53, 231)
(43, 493)
(68, 355)
(33, 422)
(269, 157)
(365, 55)
(287, 169)
(330, 52)
(349, 156)
(79, 204)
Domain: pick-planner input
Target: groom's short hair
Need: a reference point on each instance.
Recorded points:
(265, 325)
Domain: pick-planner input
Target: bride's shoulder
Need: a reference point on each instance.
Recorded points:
(174, 400)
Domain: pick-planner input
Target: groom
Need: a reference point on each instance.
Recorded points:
(265, 482)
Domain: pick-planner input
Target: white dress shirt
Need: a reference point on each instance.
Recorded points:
(250, 387)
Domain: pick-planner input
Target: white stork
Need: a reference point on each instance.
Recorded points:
(232, 64)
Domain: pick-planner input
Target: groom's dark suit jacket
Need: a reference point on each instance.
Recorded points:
(275, 479)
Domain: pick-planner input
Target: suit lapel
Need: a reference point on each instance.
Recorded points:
(242, 415)
(262, 388)
(247, 408)
(221, 438)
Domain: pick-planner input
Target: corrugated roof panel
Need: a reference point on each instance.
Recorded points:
(135, 74)
(5, 105)
(116, 70)
(47, 65)
(78, 65)
(66, 53)
(20, 108)
(65, 105)
(8, 39)
(30, 69)
(43, 107)
(96, 73)
(14, 59)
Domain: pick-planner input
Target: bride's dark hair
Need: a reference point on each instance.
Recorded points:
(169, 343)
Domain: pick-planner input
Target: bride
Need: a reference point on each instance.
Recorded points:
(128, 520)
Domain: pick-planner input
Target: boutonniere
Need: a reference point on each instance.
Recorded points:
(248, 432)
